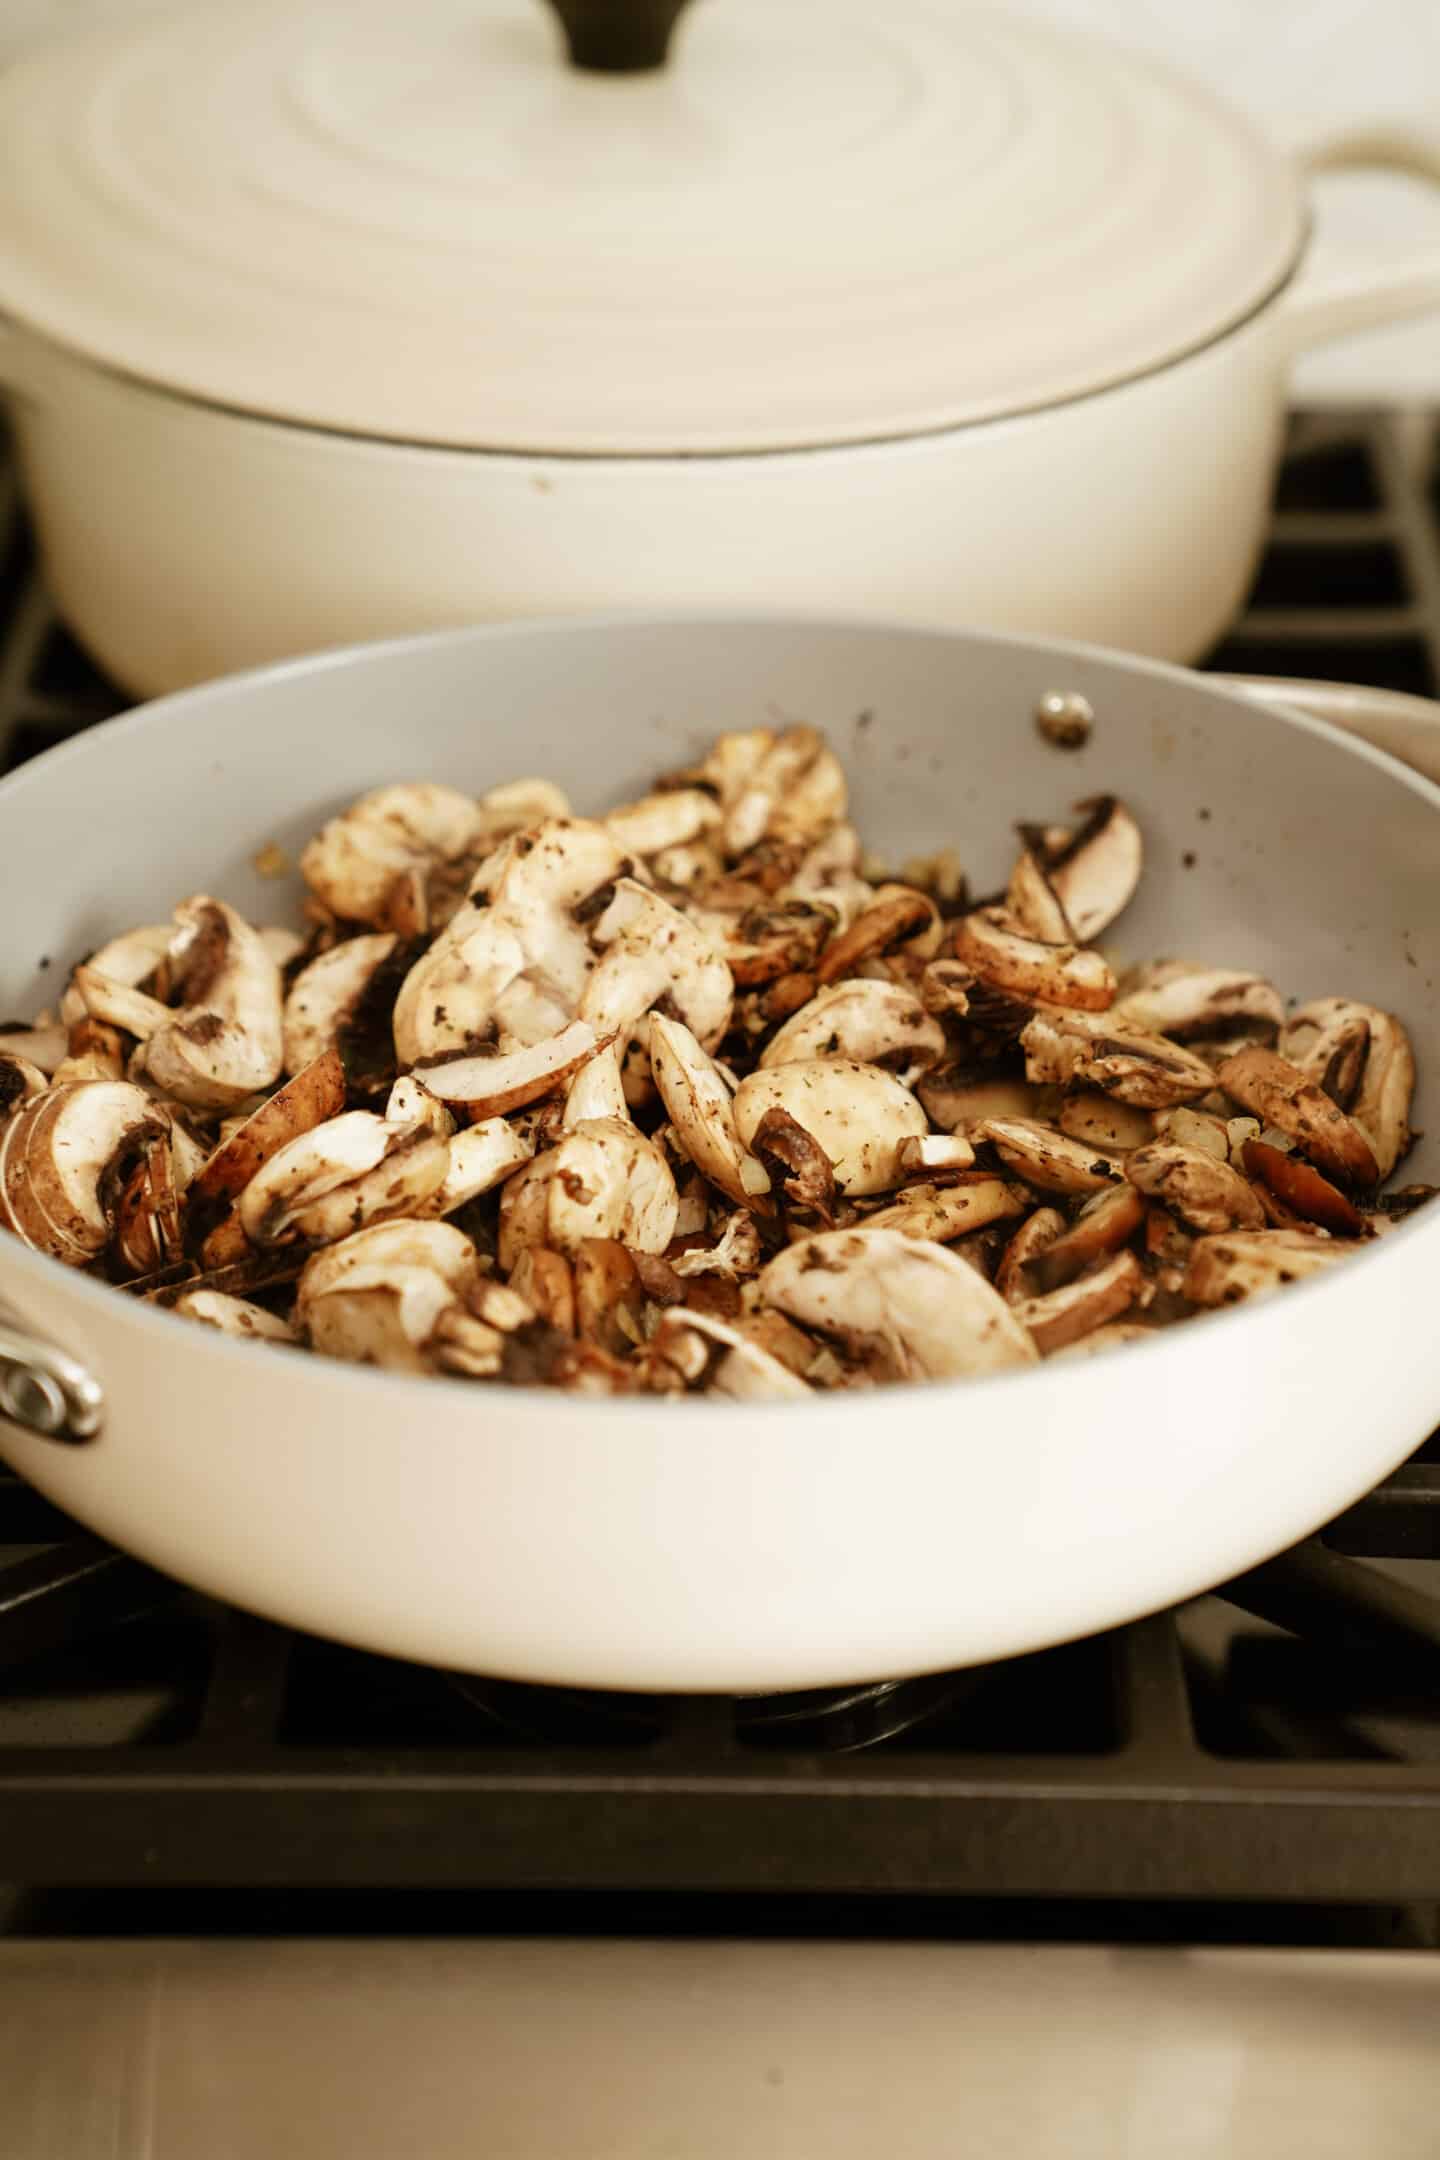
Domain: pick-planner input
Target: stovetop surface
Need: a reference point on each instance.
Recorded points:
(1261, 1765)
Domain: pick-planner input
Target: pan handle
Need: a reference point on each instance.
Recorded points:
(45, 1389)
(1326, 304)
(1408, 727)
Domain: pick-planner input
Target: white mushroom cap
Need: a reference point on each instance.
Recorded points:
(1176, 998)
(489, 1086)
(872, 1023)
(1238, 1264)
(932, 1316)
(706, 1354)
(1148, 1071)
(858, 1114)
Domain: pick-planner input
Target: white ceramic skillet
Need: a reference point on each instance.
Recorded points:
(689, 1545)
(332, 319)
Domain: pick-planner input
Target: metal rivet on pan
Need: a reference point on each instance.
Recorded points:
(1065, 719)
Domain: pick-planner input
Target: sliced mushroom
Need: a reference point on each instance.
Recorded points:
(225, 1044)
(512, 964)
(777, 787)
(130, 960)
(391, 838)
(1105, 1223)
(872, 1023)
(489, 1086)
(1046, 1158)
(795, 1163)
(57, 1154)
(946, 1212)
(147, 1212)
(234, 1316)
(314, 1096)
(1302, 1189)
(945, 987)
(1197, 1003)
(762, 942)
(325, 994)
(935, 1151)
(651, 954)
(1280, 1093)
(1023, 968)
(1033, 904)
(377, 1297)
(702, 1113)
(827, 878)
(1077, 1308)
(20, 1082)
(959, 1098)
(1149, 1072)
(1100, 1121)
(1205, 1193)
(97, 1051)
(656, 823)
(478, 1159)
(353, 1171)
(600, 1179)
(1093, 871)
(116, 1004)
(1241, 1264)
(907, 1302)
(693, 1353)
(1362, 1059)
(857, 1114)
(1038, 1231)
(898, 920)
(546, 1281)
(1200, 1130)
(609, 1300)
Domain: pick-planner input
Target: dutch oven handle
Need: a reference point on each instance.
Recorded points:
(1333, 303)
(618, 37)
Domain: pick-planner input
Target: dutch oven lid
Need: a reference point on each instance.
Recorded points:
(819, 221)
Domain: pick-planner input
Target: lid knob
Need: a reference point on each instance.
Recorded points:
(618, 37)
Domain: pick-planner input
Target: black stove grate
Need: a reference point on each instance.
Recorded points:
(1278, 1741)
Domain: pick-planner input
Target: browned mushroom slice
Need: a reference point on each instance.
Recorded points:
(1023, 968)
(20, 1082)
(1062, 1316)
(328, 993)
(1241, 1264)
(1205, 1193)
(1037, 1231)
(147, 1212)
(1303, 1190)
(490, 1086)
(1196, 1004)
(1280, 1094)
(693, 1352)
(1094, 871)
(1362, 1059)
(1046, 1158)
(946, 1212)
(1103, 1225)
(764, 941)
(796, 1163)
(945, 987)
(97, 1051)
(900, 917)
(311, 1098)
(1148, 1071)
(787, 995)
(1033, 903)
(609, 1300)
(780, 1339)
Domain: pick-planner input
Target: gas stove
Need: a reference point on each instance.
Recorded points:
(1261, 1765)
